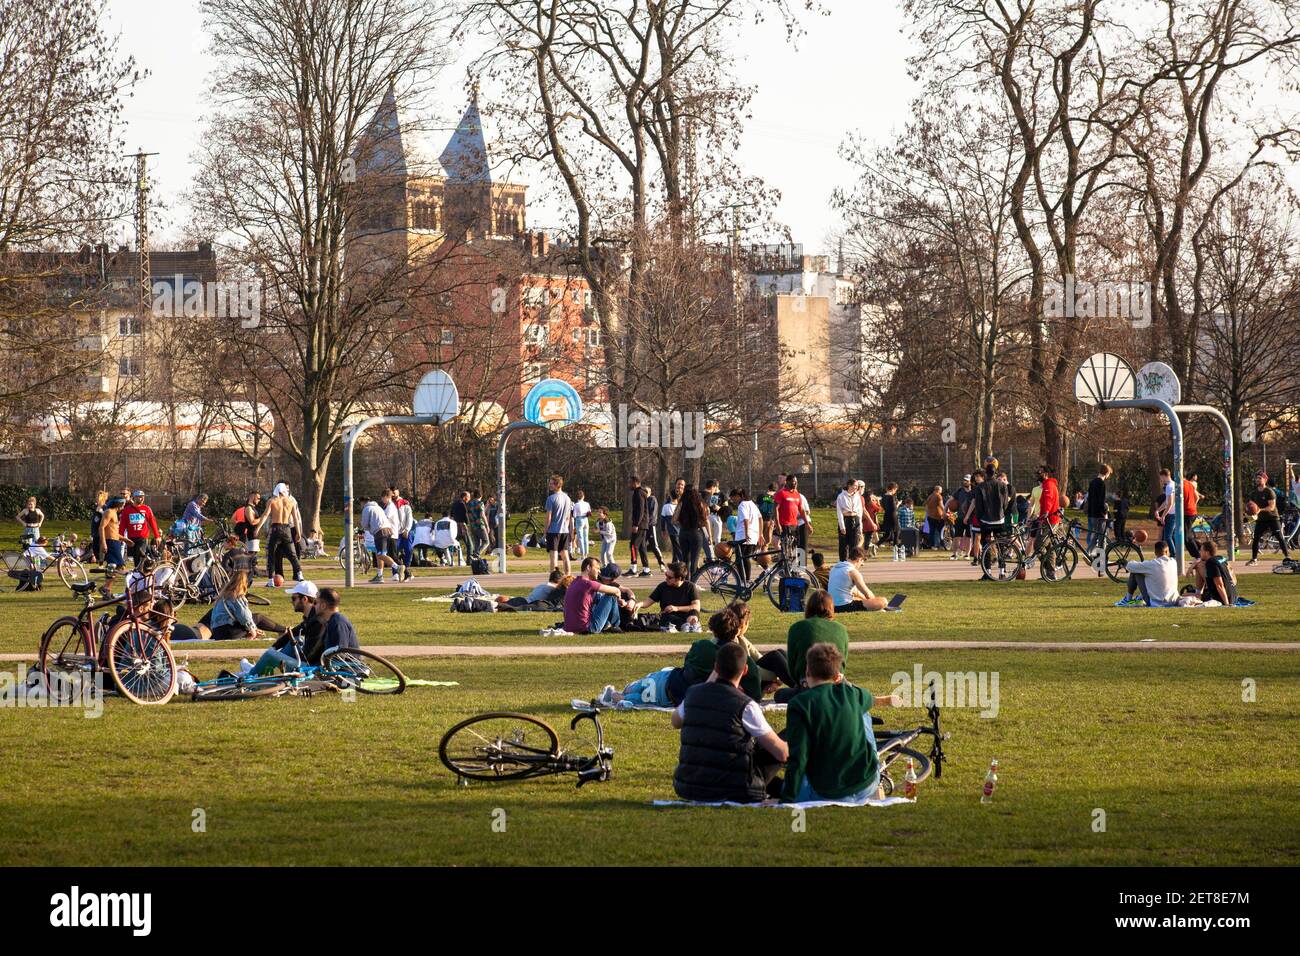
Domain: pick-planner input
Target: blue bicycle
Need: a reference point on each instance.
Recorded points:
(339, 669)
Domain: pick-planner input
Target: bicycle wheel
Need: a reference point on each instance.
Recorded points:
(1002, 560)
(362, 670)
(893, 764)
(71, 571)
(1118, 556)
(255, 598)
(257, 689)
(1057, 562)
(719, 585)
(65, 661)
(141, 663)
(773, 583)
(499, 746)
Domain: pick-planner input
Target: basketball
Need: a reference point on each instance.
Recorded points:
(1252, 508)
(1065, 501)
(519, 551)
(279, 580)
(1020, 575)
(1140, 536)
(722, 550)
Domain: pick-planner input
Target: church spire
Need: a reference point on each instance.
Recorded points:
(465, 159)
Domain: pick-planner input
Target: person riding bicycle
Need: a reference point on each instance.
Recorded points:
(831, 741)
(139, 527)
(728, 751)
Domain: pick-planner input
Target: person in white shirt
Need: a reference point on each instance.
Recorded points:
(1156, 578)
(848, 513)
(445, 537)
(38, 559)
(422, 538)
(559, 523)
(376, 522)
(582, 522)
(848, 591)
(608, 537)
(405, 522)
(749, 523)
(1165, 513)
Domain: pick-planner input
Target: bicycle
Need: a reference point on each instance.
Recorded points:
(339, 669)
(526, 525)
(360, 556)
(719, 582)
(1114, 556)
(894, 745)
(64, 558)
(509, 746)
(134, 651)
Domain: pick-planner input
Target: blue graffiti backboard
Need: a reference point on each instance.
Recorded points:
(552, 403)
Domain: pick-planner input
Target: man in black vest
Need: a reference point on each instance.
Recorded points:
(720, 726)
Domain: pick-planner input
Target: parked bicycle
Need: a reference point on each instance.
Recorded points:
(134, 650)
(526, 529)
(509, 746)
(360, 556)
(720, 583)
(893, 746)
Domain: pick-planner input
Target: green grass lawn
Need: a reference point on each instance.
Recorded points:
(1185, 772)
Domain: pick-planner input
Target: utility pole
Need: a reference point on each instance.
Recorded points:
(145, 290)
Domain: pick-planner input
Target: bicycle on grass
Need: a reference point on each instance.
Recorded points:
(525, 529)
(720, 584)
(509, 746)
(134, 650)
(339, 669)
(895, 745)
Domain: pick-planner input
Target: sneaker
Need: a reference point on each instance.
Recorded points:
(669, 629)
(270, 583)
(406, 574)
(644, 574)
(245, 667)
(952, 557)
(1252, 562)
(377, 579)
(606, 698)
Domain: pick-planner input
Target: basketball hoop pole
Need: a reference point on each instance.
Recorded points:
(1176, 432)
(1229, 499)
(501, 488)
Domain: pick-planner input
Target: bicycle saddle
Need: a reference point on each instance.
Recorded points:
(84, 588)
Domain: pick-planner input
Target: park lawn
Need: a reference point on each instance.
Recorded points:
(1185, 772)
(1077, 610)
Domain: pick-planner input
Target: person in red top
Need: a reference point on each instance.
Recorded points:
(1191, 495)
(138, 526)
(789, 506)
(1049, 501)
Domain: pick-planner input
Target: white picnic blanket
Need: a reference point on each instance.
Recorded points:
(806, 805)
(578, 704)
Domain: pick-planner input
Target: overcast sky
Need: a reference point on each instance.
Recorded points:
(847, 73)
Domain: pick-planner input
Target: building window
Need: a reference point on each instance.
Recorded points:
(128, 325)
(593, 338)
(533, 373)
(128, 366)
(448, 337)
(536, 295)
(426, 214)
(535, 335)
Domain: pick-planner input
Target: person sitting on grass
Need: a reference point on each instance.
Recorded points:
(727, 626)
(547, 596)
(230, 618)
(828, 730)
(591, 607)
(728, 752)
(281, 655)
(819, 570)
(848, 590)
(1156, 579)
(818, 626)
(678, 600)
(1213, 577)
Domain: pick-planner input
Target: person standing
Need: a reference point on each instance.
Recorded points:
(1164, 512)
(405, 522)
(139, 527)
(749, 522)
(712, 501)
(637, 519)
(285, 523)
(476, 511)
(1095, 505)
(460, 515)
(110, 536)
(374, 522)
(848, 514)
(31, 518)
(961, 499)
(789, 509)
(1266, 519)
(582, 523)
(1191, 498)
(767, 508)
(889, 515)
(193, 514)
(990, 503)
(559, 523)
(936, 516)
(666, 513)
(96, 522)
(692, 520)
(652, 534)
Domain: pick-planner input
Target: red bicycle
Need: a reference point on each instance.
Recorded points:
(132, 649)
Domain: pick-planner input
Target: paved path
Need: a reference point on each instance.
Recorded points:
(878, 571)
(563, 650)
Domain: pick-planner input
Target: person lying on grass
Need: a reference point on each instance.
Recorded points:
(231, 619)
(1156, 579)
(728, 750)
(727, 626)
(828, 730)
(678, 600)
(547, 596)
(847, 588)
(591, 606)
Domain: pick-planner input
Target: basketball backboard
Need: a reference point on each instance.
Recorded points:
(436, 397)
(1104, 377)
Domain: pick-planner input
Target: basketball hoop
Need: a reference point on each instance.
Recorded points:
(1104, 377)
(436, 397)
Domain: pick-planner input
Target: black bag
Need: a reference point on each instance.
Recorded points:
(479, 566)
(28, 580)
(468, 604)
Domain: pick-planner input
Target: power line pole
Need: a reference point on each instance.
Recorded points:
(145, 290)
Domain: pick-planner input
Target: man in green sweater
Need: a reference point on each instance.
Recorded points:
(818, 626)
(828, 730)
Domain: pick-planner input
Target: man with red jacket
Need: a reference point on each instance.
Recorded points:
(138, 526)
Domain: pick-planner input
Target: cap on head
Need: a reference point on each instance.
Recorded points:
(306, 588)
(138, 493)
(611, 571)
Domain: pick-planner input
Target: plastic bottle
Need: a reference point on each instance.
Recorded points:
(990, 781)
(909, 780)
